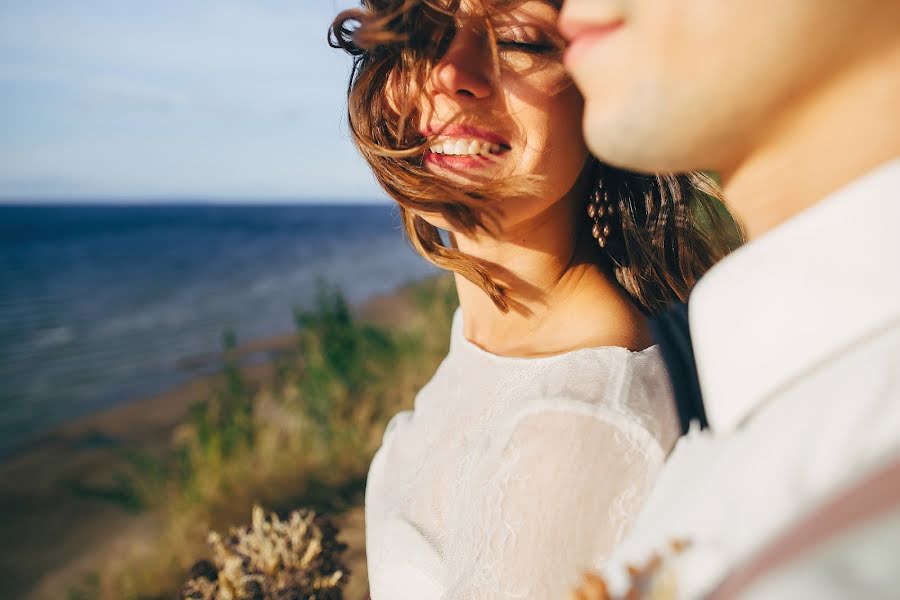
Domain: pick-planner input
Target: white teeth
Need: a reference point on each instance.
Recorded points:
(463, 147)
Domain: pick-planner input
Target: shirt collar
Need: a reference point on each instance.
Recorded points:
(783, 303)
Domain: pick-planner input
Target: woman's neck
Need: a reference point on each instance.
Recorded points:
(559, 298)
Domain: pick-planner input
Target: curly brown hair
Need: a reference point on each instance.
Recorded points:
(673, 227)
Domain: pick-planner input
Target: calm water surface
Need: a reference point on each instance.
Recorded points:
(104, 304)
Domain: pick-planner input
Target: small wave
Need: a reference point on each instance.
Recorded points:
(56, 336)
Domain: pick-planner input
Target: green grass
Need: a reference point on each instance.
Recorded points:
(303, 440)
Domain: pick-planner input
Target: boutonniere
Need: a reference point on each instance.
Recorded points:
(656, 579)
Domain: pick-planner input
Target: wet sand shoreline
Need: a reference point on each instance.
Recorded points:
(51, 532)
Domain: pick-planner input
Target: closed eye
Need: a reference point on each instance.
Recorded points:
(533, 47)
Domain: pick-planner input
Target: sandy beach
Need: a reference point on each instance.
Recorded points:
(56, 526)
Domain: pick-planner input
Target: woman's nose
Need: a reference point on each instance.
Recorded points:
(465, 70)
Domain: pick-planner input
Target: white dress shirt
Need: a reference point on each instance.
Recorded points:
(848, 548)
(858, 564)
(797, 341)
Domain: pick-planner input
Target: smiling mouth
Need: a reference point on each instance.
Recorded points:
(463, 146)
(464, 153)
(467, 147)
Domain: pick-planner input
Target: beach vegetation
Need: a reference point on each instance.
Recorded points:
(300, 440)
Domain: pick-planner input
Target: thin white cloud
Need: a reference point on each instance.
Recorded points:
(221, 98)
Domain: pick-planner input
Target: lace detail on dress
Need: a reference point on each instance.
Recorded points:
(513, 475)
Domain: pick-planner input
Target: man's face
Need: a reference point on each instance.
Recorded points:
(678, 85)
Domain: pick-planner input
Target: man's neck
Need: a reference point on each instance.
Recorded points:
(819, 144)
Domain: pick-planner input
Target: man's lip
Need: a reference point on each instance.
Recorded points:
(570, 27)
(465, 131)
(583, 36)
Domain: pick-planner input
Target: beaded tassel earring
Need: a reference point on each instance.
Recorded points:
(600, 211)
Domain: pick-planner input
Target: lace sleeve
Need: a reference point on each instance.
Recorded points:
(552, 502)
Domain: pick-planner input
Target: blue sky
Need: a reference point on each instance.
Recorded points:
(170, 99)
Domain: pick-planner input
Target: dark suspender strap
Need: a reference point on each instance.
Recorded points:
(671, 332)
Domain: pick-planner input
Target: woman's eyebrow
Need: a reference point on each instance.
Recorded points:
(509, 16)
(524, 18)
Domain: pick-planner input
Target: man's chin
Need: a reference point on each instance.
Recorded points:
(608, 144)
(631, 143)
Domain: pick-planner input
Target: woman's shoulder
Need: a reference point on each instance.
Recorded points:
(619, 387)
(609, 376)
(611, 383)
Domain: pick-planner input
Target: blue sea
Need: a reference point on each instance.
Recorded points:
(104, 304)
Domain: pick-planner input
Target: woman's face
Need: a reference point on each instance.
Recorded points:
(520, 116)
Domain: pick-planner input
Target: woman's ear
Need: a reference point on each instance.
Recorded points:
(392, 92)
(406, 94)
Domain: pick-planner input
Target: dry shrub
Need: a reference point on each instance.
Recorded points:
(294, 559)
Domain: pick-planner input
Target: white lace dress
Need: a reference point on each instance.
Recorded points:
(513, 475)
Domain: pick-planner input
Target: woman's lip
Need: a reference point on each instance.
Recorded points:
(584, 36)
(459, 161)
(464, 132)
